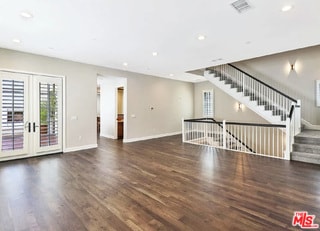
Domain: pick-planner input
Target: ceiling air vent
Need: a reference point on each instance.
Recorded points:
(241, 5)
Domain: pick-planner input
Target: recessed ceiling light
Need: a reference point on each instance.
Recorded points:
(26, 14)
(286, 8)
(171, 75)
(125, 64)
(154, 53)
(201, 37)
(16, 40)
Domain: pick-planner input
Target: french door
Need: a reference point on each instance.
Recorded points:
(31, 115)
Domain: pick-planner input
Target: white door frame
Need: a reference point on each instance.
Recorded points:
(63, 106)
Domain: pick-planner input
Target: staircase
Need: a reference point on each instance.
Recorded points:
(306, 147)
(271, 104)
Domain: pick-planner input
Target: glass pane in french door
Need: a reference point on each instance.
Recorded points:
(49, 111)
(12, 113)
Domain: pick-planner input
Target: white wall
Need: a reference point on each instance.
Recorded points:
(300, 84)
(225, 107)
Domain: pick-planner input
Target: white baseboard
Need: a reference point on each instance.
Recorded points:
(108, 136)
(150, 137)
(308, 125)
(73, 149)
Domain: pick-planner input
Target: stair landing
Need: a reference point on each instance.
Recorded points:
(309, 133)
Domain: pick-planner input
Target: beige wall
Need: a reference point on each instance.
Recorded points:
(225, 107)
(300, 84)
(81, 93)
(171, 99)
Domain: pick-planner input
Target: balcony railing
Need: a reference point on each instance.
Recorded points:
(260, 139)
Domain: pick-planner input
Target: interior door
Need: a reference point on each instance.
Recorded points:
(31, 110)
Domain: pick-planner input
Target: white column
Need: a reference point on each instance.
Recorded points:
(183, 130)
(224, 134)
(288, 140)
(297, 118)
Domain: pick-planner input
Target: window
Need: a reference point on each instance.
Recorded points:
(207, 103)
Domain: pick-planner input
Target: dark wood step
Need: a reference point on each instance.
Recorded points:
(278, 112)
(306, 148)
(228, 81)
(247, 93)
(306, 140)
(262, 103)
(240, 89)
(306, 157)
(269, 107)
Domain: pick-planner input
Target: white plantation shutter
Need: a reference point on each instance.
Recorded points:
(49, 110)
(12, 112)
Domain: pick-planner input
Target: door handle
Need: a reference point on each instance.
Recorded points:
(28, 126)
(34, 126)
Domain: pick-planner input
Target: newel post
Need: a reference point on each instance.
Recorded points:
(297, 118)
(288, 140)
(224, 134)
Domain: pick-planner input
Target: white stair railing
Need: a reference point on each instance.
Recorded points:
(265, 95)
(269, 140)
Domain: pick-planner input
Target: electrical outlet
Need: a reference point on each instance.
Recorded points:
(74, 117)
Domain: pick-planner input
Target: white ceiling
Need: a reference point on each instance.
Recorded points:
(111, 32)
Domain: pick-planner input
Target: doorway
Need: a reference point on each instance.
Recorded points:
(31, 115)
(120, 115)
(112, 106)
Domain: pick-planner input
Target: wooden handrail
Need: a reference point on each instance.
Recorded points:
(211, 120)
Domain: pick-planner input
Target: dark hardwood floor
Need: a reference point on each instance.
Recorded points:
(159, 184)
